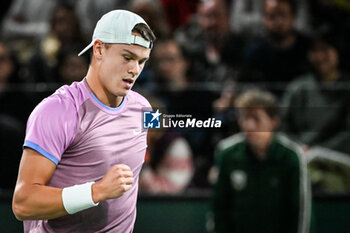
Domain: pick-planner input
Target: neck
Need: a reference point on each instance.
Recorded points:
(93, 81)
(260, 148)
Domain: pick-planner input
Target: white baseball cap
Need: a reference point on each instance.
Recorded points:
(116, 27)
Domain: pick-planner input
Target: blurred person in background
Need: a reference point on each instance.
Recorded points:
(247, 16)
(173, 84)
(214, 51)
(71, 67)
(65, 32)
(280, 55)
(152, 12)
(169, 164)
(178, 12)
(262, 184)
(333, 17)
(90, 11)
(170, 66)
(26, 23)
(10, 94)
(316, 105)
(28, 19)
(13, 111)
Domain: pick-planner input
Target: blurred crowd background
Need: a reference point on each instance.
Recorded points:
(207, 52)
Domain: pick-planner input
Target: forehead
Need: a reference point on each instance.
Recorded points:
(166, 47)
(275, 5)
(255, 112)
(139, 51)
(211, 6)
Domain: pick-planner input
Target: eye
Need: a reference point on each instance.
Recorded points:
(142, 61)
(127, 58)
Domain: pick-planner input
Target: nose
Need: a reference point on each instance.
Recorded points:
(249, 125)
(134, 68)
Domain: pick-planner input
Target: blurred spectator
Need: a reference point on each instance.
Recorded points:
(13, 100)
(71, 67)
(178, 12)
(170, 168)
(333, 17)
(169, 64)
(180, 96)
(7, 66)
(316, 105)
(153, 14)
(247, 16)
(169, 163)
(64, 33)
(280, 55)
(214, 51)
(90, 11)
(259, 168)
(28, 19)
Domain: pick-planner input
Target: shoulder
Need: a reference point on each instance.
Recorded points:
(136, 98)
(302, 82)
(228, 146)
(64, 103)
(291, 149)
(230, 142)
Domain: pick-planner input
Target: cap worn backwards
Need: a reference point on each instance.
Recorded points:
(116, 27)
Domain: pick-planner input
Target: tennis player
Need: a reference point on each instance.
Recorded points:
(84, 146)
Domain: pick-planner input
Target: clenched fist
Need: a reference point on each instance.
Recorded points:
(114, 184)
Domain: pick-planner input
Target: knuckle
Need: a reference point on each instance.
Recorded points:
(124, 188)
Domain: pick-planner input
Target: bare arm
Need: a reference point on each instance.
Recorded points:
(34, 200)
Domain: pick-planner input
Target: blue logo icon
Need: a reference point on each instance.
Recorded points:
(151, 119)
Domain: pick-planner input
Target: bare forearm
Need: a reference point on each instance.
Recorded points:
(37, 202)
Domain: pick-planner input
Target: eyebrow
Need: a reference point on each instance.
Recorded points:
(135, 55)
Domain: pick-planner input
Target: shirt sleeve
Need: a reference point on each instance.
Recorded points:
(51, 127)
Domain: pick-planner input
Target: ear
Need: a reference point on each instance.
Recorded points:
(97, 49)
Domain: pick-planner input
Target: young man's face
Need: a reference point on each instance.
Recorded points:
(120, 65)
(257, 125)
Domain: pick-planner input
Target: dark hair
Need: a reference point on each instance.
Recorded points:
(145, 32)
(324, 39)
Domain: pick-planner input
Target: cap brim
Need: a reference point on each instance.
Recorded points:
(86, 48)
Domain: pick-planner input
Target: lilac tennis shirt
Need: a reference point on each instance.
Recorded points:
(84, 138)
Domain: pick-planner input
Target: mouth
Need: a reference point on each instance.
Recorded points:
(128, 82)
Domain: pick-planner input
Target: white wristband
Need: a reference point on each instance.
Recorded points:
(78, 197)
